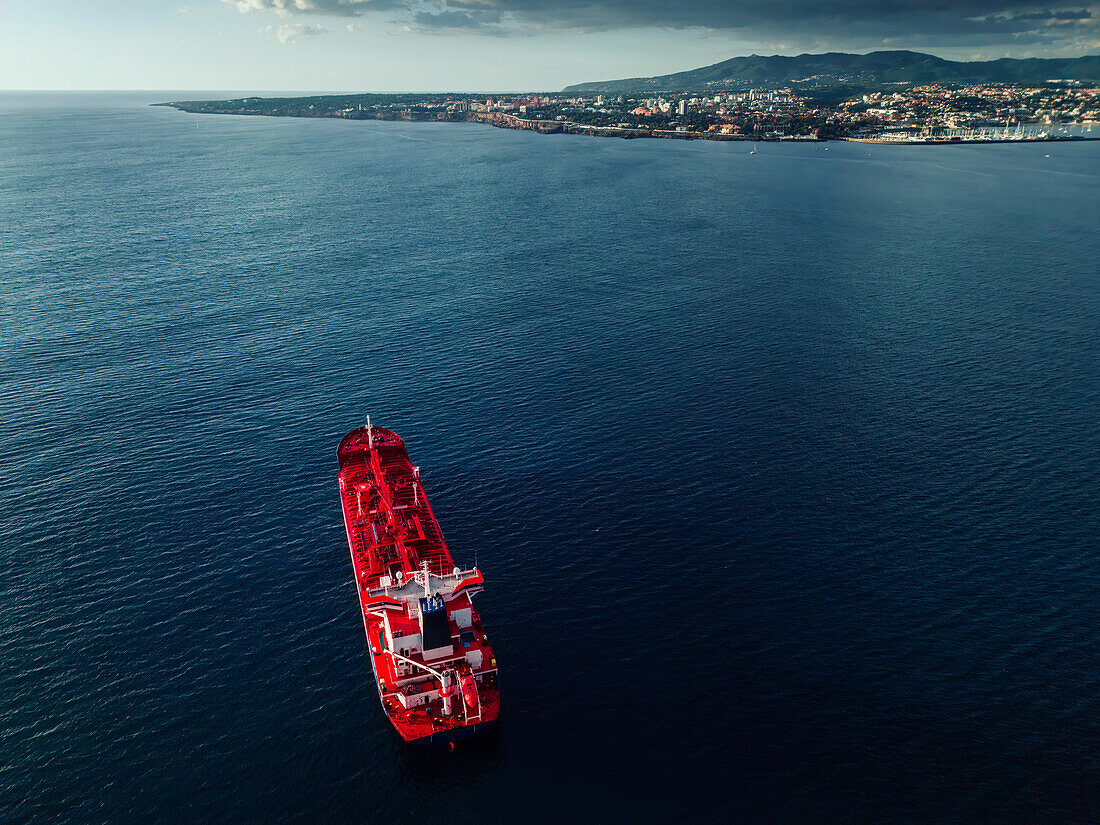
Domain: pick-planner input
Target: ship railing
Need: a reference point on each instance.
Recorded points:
(467, 718)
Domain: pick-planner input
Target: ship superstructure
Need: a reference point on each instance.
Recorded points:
(434, 668)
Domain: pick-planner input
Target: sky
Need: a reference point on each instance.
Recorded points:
(488, 45)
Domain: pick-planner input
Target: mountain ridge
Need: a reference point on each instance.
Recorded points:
(842, 68)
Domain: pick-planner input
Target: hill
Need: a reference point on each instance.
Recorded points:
(838, 68)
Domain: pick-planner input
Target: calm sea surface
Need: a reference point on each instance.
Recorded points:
(783, 469)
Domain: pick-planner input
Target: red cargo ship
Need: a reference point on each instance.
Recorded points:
(434, 669)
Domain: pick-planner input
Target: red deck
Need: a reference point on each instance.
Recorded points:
(400, 559)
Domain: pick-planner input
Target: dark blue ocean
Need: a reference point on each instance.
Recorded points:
(783, 469)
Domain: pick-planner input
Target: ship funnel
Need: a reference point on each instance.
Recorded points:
(447, 692)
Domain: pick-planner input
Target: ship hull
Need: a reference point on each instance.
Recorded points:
(434, 670)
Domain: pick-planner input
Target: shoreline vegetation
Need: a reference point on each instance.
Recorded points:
(771, 115)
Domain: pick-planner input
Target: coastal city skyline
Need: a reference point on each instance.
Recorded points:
(495, 45)
(905, 113)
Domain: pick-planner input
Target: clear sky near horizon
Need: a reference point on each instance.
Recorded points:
(460, 45)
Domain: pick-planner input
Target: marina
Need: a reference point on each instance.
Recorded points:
(1018, 133)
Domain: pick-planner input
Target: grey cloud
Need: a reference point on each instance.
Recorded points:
(806, 23)
(884, 16)
(450, 20)
(1047, 15)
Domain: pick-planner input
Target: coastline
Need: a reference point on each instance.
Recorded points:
(502, 120)
(506, 121)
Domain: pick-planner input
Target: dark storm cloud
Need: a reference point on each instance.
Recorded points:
(807, 23)
(976, 20)
(446, 20)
